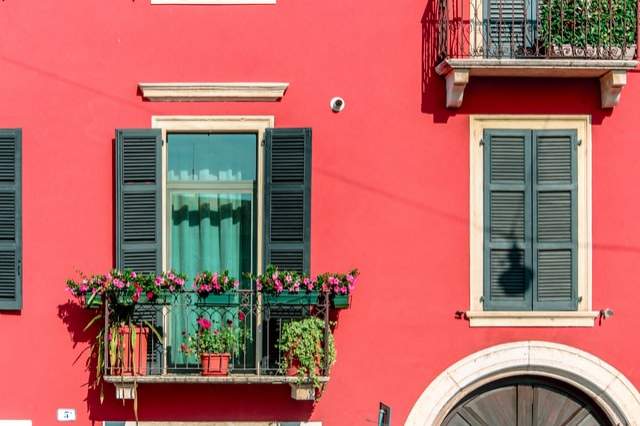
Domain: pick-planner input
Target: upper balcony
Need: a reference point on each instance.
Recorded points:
(537, 38)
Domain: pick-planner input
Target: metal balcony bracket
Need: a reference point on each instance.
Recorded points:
(611, 85)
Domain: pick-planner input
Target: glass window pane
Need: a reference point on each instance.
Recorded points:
(212, 156)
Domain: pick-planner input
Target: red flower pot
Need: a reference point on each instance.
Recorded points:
(294, 366)
(215, 364)
(132, 360)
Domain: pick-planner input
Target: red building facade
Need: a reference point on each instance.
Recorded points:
(399, 189)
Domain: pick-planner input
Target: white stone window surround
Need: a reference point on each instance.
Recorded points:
(478, 317)
(605, 385)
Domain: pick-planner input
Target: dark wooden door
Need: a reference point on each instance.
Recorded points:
(526, 401)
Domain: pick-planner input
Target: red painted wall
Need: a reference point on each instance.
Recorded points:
(390, 190)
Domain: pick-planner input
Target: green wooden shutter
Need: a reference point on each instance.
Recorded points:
(509, 27)
(507, 219)
(555, 217)
(138, 200)
(288, 198)
(10, 219)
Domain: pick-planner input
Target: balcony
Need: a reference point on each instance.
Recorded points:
(536, 38)
(164, 324)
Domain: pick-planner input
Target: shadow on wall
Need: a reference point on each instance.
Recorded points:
(174, 402)
(494, 95)
(516, 280)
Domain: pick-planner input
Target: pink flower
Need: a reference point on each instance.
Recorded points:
(288, 279)
(158, 281)
(258, 285)
(150, 295)
(204, 323)
(133, 275)
(118, 283)
(279, 286)
(236, 284)
(343, 290)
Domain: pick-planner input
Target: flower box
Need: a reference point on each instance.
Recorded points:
(224, 299)
(341, 301)
(215, 364)
(302, 298)
(92, 303)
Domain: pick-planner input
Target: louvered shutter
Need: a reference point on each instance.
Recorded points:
(555, 219)
(288, 198)
(138, 200)
(507, 211)
(10, 219)
(510, 26)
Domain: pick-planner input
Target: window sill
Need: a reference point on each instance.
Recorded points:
(531, 319)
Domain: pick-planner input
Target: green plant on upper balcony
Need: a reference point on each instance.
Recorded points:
(592, 25)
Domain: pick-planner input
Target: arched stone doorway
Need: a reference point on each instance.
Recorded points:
(526, 401)
(585, 374)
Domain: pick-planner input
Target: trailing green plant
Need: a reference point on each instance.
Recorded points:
(588, 23)
(302, 346)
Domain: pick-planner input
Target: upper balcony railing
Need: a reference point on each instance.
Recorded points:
(538, 29)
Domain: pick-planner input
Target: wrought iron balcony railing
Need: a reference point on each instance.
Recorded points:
(538, 29)
(163, 326)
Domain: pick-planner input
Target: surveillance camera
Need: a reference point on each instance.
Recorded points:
(337, 104)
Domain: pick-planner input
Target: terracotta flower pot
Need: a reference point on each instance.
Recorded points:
(294, 367)
(215, 364)
(132, 360)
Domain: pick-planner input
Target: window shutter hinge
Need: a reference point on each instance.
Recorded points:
(481, 299)
(579, 299)
(579, 142)
(481, 142)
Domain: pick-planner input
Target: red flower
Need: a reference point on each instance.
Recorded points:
(204, 323)
(241, 316)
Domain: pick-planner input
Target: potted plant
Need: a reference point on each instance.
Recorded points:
(215, 288)
(302, 347)
(215, 345)
(286, 287)
(339, 286)
(127, 341)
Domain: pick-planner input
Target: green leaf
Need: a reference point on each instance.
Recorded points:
(91, 322)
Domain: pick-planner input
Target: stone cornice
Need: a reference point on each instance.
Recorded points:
(213, 92)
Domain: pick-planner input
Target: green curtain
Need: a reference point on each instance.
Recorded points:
(209, 231)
